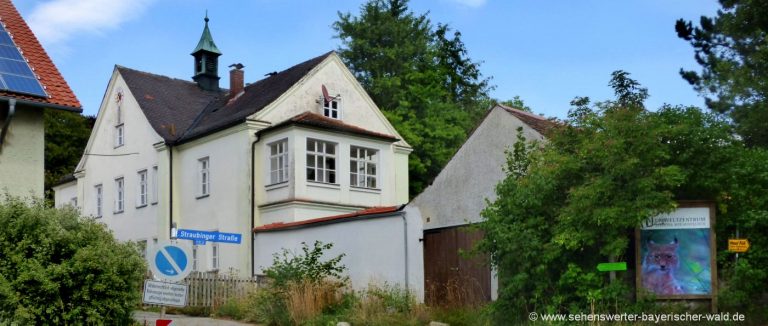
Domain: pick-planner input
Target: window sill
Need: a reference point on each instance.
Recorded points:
(363, 189)
(276, 185)
(155, 203)
(141, 206)
(323, 185)
(118, 146)
(118, 212)
(203, 196)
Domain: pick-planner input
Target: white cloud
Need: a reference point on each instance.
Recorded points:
(56, 21)
(471, 3)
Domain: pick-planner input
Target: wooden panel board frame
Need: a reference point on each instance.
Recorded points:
(712, 258)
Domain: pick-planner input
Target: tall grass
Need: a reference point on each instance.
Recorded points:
(307, 299)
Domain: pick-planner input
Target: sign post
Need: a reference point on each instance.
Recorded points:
(170, 263)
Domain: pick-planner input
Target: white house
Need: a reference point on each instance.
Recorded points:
(303, 143)
(458, 195)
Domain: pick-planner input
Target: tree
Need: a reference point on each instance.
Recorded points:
(575, 200)
(57, 268)
(732, 49)
(66, 134)
(419, 75)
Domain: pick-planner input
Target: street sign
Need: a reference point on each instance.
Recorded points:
(170, 261)
(167, 294)
(738, 245)
(200, 237)
(164, 322)
(609, 267)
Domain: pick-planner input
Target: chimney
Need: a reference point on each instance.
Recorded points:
(236, 79)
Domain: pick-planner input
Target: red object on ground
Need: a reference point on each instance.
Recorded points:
(164, 322)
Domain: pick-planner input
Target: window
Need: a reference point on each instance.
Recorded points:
(331, 108)
(119, 135)
(215, 256)
(278, 161)
(362, 167)
(204, 188)
(155, 187)
(142, 198)
(99, 192)
(321, 161)
(143, 248)
(73, 201)
(119, 195)
(194, 258)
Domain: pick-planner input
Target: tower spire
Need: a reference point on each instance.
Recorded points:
(206, 56)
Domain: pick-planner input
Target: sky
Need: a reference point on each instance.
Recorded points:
(547, 52)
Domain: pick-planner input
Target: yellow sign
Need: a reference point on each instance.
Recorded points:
(738, 245)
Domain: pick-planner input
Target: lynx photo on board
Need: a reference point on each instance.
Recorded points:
(676, 253)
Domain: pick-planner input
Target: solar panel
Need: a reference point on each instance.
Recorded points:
(15, 74)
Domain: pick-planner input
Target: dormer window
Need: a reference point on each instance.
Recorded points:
(332, 108)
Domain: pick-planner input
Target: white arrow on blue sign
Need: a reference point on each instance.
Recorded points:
(170, 261)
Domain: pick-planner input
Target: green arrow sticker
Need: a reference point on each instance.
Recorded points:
(609, 267)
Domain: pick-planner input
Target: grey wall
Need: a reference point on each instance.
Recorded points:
(457, 195)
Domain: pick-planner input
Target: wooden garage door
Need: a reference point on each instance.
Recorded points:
(451, 278)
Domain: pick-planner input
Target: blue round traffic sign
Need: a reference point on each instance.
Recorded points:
(170, 261)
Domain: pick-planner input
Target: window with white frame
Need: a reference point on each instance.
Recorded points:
(278, 161)
(332, 108)
(119, 135)
(215, 256)
(362, 167)
(119, 195)
(155, 186)
(195, 260)
(141, 201)
(99, 194)
(321, 161)
(204, 177)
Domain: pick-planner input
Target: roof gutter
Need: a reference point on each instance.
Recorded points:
(42, 105)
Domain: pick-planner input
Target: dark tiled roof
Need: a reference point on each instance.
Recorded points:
(180, 111)
(57, 88)
(329, 219)
(541, 124)
(67, 178)
(171, 105)
(315, 120)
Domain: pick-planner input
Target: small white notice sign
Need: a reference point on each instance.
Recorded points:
(166, 294)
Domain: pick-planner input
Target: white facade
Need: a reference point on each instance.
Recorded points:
(219, 198)
(377, 250)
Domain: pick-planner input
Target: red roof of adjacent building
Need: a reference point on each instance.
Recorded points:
(537, 122)
(328, 219)
(310, 119)
(58, 90)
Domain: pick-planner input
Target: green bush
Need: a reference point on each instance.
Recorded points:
(58, 268)
(289, 269)
(575, 201)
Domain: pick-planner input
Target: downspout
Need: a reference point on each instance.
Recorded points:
(7, 122)
(253, 203)
(405, 245)
(170, 191)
